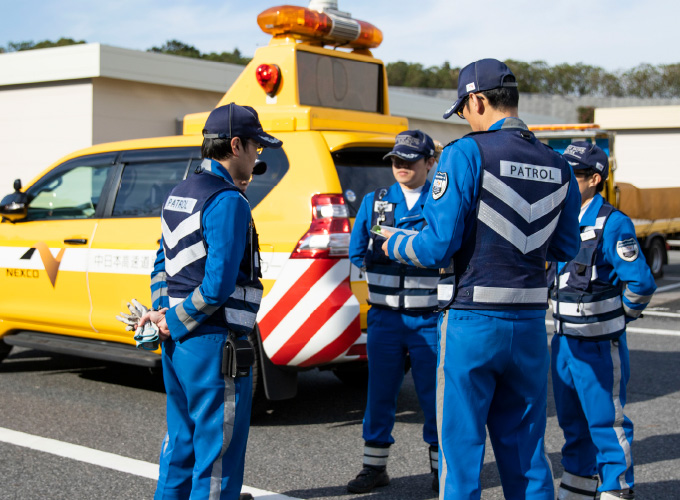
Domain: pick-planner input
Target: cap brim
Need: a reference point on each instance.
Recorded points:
(268, 141)
(406, 157)
(575, 164)
(260, 167)
(454, 109)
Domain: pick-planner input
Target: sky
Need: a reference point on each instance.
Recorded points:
(615, 35)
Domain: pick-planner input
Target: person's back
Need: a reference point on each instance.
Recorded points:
(501, 204)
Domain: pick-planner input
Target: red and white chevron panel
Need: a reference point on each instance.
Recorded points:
(310, 317)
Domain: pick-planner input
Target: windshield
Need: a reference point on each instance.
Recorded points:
(362, 171)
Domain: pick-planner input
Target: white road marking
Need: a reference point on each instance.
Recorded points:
(667, 288)
(632, 329)
(647, 312)
(104, 459)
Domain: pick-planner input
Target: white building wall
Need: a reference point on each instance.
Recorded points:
(39, 125)
(648, 158)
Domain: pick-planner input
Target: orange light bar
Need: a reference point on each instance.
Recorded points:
(307, 24)
(563, 126)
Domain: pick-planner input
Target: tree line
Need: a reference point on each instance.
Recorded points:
(644, 80)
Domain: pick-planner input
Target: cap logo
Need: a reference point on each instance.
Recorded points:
(470, 87)
(407, 140)
(574, 150)
(599, 166)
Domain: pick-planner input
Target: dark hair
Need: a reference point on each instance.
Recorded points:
(219, 149)
(503, 98)
(589, 172)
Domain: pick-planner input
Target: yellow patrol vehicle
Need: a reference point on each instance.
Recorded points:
(79, 241)
(655, 212)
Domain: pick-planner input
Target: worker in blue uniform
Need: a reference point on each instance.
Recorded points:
(594, 296)
(501, 203)
(402, 320)
(206, 293)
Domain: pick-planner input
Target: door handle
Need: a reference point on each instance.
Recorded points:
(76, 241)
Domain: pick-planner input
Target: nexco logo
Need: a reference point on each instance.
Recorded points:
(50, 262)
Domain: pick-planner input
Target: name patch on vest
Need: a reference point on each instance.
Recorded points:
(178, 204)
(531, 172)
(382, 206)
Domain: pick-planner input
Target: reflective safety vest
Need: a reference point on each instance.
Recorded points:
(501, 263)
(584, 305)
(186, 254)
(390, 284)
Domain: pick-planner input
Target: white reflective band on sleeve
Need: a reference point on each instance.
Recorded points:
(376, 456)
(385, 280)
(199, 303)
(184, 228)
(249, 294)
(157, 294)
(592, 329)
(383, 300)
(635, 298)
(399, 237)
(588, 308)
(444, 292)
(631, 313)
(411, 254)
(419, 301)
(529, 212)
(241, 317)
(426, 283)
(497, 295)
(158, 278)
(184, 258)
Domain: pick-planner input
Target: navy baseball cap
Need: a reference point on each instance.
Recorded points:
(233, 120)
(412, 145)
(583, 154)
(485, 74)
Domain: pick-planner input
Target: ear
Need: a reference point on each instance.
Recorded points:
(477, 103)
(595, 179)
(430, 163)
(236, 146)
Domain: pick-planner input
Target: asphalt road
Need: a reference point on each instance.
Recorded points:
(306, 448)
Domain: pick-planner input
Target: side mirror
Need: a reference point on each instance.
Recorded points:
(13, 206)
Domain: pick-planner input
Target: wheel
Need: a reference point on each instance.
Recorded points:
(354, 375)
(4, 349)
(259, 397)
(656, 256)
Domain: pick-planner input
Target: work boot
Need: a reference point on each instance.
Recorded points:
(433, 453)
(245, 496)
(368, 478)
(618, 495)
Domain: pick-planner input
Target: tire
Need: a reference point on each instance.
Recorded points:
(259, 405)
(655, 255)
(4, 349)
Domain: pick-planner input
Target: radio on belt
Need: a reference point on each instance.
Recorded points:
(237, 358)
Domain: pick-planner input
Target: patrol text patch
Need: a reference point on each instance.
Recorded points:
(531, 172)
(628, 249)
(178, 204)
(439, 185)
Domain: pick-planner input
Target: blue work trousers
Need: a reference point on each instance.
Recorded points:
(208, 416)
(391, 336)
(589, 382)
(492, 372)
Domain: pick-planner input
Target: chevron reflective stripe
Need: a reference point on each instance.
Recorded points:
(607, 327)
(498, 295)
(377, 457)
(386, 280)
(512, 233)
(530, 212)
(186, 227)
(184, 258)
(577, 488)
(587, 308)
(310, 316)
(380, 299)
(419, 301)
(635, 298)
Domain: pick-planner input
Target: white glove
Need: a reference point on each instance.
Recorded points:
(146, 336)
(137, 310)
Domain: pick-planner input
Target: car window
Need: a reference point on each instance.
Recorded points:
(144, 187)
(70, 192)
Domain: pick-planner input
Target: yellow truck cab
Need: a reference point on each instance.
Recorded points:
(654, 211)
(79, 241)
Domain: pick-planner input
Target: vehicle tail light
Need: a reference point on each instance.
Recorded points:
(269, 78)
(329, 233)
